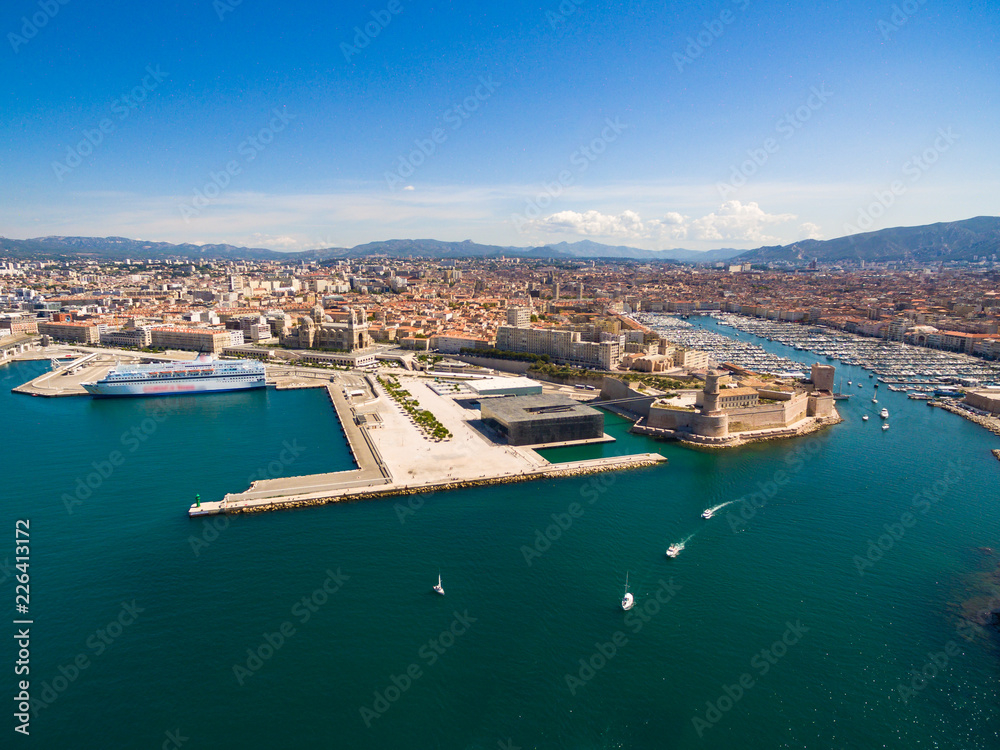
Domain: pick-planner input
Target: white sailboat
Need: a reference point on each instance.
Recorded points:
(438, 589)
(628, 600)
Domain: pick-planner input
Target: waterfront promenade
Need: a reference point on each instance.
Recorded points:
(394, 457)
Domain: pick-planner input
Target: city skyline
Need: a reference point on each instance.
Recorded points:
(726, 124)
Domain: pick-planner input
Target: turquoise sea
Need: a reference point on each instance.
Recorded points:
(317, 628)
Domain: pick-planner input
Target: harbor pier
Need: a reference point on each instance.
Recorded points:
(393, 456)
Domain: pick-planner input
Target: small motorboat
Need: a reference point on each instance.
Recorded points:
(707, 513)
(885, 426)
(874, 400)
(864, 418)
(884, 413)
(674, 550)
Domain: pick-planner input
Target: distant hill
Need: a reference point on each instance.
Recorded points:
(422, 248)
(588, 249)
(957, 240)
(954, 240)
(119, 248)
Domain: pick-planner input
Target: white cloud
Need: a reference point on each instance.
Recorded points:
(733, 221)
(594, 223)
(627, 225)
(280, 242)
(810, 231)
(348, 213)
(737, 221)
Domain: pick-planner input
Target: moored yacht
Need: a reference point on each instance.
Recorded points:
(628, 600)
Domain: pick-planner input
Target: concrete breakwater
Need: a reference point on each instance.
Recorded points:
(393, 457)
(739, 438)
(573, 469)
(990, 423)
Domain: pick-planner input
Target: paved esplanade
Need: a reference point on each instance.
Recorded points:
(394, 456)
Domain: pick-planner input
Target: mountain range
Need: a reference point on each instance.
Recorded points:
(945, 241)
(967, 240)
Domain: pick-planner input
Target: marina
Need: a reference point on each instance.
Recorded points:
(901, 367)
(893, 362)
(722, 348)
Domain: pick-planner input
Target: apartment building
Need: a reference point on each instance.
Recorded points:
(83, 333)
(199, 340)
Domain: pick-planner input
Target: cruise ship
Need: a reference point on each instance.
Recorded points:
(179, 378)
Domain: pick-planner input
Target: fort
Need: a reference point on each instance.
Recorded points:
(727, 413)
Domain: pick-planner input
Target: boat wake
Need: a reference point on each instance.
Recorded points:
(709, 512)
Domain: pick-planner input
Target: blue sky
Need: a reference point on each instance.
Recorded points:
(723, 123)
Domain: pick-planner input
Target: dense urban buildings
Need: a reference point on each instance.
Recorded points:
(570, 312)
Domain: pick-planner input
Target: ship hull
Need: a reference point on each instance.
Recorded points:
(179, 387)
